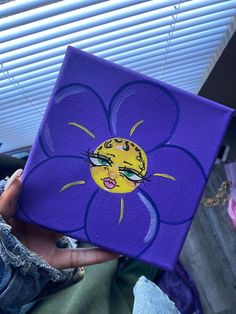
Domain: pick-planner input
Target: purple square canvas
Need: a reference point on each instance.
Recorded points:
(121, 159)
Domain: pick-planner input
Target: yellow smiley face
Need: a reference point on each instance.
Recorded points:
(118, 165)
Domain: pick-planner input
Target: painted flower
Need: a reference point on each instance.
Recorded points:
(111, 172)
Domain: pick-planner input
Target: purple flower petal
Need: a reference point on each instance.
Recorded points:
(130, 234)
(64, 210)
(36, 157)
(176, 198)
(145, 112)
(166, 246)
(76, 122)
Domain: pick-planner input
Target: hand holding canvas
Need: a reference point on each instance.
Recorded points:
(121, 165)
(42, 241)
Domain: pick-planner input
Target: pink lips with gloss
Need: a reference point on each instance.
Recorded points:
(109, 183)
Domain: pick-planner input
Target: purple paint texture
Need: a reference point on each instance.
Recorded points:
(180, 133)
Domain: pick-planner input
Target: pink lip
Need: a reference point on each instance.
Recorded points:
(109, 183)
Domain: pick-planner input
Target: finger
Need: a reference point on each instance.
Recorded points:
(9, 199)
(73, 258)
(15, 175)
(35, 238)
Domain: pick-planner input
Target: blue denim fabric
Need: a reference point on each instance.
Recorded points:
(150, 299)
(2, 185)
(25, 277)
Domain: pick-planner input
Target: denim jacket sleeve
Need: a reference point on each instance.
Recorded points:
(24, 276)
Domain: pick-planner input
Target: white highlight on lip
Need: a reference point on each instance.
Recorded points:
(153, 218)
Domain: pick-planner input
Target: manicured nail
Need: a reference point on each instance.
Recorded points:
(15, 175)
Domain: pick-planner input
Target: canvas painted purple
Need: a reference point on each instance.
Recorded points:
(121, 159)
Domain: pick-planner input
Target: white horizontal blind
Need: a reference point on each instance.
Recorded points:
(172, 40)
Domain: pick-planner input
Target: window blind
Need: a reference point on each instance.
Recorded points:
(175, 41)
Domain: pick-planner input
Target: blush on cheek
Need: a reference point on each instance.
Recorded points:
(131, 184)
(100, 170)
(96, 172)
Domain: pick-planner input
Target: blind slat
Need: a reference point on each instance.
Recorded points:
(48, 9)
(198, 55)
(163, 39)
(41, 99)
(94, 15)
(136, 55)
(12, 8)
(27, 89)
(178, 68)
(103, 33)
(130, 50)
(205, 48)
(153, 33)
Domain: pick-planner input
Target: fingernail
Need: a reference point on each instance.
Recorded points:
(15, 175)
(78, 274)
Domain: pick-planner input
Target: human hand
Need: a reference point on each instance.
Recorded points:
(42, 241)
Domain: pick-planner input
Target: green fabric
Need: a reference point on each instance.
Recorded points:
(106, 289)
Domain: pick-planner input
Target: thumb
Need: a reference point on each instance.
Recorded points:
(9, 198)
(73, 258)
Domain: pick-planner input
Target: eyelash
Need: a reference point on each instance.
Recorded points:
(93, 155)
(142, 178)
(128, 169)
(110, 162)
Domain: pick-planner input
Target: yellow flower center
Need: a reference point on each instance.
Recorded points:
(118, 165)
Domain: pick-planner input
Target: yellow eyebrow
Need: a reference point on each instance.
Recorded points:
(82, 128)
(71, 184)
(135, 127)
(164, 176)
(122, 206)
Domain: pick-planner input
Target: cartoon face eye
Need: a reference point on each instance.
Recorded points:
(132, 175)
(99, 161)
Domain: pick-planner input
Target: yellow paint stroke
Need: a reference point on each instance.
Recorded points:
(71, 184)
(82, 128)
(122, 206)
(135, 127)
(164, 176)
